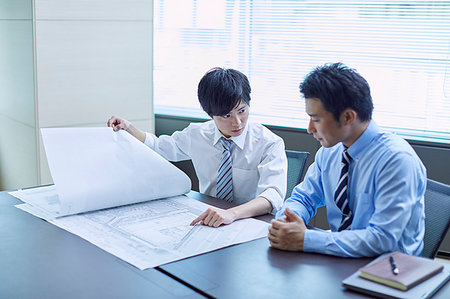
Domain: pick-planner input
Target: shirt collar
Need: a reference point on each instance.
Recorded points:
(364, 140)
(238, 140)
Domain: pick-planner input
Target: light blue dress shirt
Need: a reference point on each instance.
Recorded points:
(387, 182)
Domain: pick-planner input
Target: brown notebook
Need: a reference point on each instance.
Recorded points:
(412, 270)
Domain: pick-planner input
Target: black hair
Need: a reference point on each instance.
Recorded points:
(220, 90)
(339, 87)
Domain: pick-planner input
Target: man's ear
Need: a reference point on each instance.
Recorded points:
(348, 116)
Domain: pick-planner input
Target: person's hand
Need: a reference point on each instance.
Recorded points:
(214, 217)
(118, 123)
(288, 232)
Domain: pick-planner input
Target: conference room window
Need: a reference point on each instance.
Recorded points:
(400, 47)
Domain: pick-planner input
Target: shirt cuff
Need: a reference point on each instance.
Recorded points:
(274, 198)
(149, 140)
(315, 241)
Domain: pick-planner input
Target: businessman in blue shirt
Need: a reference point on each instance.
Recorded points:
(371, 182)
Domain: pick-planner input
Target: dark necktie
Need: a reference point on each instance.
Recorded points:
(224, 186)
(340, 196)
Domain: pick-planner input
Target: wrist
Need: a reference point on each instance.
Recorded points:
(302, 240)
(234, 214)
(129, 127)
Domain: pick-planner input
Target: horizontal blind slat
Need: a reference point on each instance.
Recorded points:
(400, 47)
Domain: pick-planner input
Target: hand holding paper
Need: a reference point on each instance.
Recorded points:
(96, 168)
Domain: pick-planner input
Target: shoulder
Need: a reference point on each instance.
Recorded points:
(393, 158)
(262, 140)
(390, 151)
(200, 128)
(262, 134)
(195, 131)
(389, 144)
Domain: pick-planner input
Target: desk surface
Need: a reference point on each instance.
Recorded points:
(40, 260)
(255, 270)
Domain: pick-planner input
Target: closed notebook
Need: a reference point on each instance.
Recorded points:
(412, 270)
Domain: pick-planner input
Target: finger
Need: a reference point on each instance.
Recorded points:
(209, 217)
(276, 224)
(111, 121)
(203, 215)
(199, 218)
(291, 216)
(112, 124)
(273, 236)
(272, 230)
(216, 219)
(218, 222)
(274, 243)
(196, 220)
(282, 219)
(118, 125)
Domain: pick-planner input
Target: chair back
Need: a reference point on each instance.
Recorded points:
(296, 167)
(437, 216)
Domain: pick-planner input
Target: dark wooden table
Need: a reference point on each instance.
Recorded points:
(255, 270)
(40, 260)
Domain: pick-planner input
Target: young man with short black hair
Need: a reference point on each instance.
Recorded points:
(234, 159)
(371, 182)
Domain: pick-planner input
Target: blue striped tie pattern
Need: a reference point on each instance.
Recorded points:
(224, 186)
(340, 196)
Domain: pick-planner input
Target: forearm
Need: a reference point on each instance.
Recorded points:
(358, 243)
(136, 133)
(272, 172)
(255, 207)
(305, 199)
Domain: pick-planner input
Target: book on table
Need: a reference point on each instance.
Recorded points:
(412, 270)
(417, 277)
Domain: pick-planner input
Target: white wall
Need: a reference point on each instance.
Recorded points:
(18, 164)
(92, 59)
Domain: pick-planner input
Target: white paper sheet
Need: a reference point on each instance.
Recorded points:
(96, 168)
(148, 234)
(107, 178)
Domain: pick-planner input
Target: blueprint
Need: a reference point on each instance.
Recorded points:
(97, 168)
(147, 234)
(121, 196)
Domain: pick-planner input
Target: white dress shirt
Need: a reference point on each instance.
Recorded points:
(258, 157)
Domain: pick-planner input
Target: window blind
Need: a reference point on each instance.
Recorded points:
(400, 47)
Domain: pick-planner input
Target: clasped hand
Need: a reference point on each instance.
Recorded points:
(288, 232)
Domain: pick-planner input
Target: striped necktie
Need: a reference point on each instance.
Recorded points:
(224, 186)
(340, 196)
